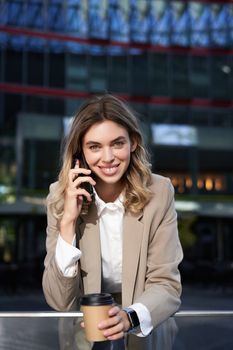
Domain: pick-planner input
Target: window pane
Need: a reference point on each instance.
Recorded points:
(98, 73)
(220, 78)
(200, 76)
(138, 74)
(179, 76)
(158, 74)
(118, 74)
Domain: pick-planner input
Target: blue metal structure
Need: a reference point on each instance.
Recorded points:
(165, 23)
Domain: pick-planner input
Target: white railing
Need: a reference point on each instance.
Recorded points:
(198, 313)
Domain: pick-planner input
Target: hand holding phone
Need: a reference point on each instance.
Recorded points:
(83, 164)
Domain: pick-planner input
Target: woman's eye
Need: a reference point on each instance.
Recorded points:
(119, 144)
(94, 147)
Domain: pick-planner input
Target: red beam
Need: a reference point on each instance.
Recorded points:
(154, 100)
(41, 91)
(108, 43)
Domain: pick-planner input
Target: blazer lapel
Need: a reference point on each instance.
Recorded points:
(89, 244)
(91, 254)
(132, 237)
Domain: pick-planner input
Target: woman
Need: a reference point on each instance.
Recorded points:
(126, 232)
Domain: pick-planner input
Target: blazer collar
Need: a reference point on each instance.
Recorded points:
(132, 238)
(91, 254)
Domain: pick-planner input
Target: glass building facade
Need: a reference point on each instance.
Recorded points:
(172, 61)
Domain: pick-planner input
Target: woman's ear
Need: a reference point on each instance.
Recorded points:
(133, 145)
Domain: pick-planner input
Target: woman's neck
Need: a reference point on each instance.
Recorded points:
(108, 192)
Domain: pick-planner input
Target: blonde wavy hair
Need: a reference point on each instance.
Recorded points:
(138, 175)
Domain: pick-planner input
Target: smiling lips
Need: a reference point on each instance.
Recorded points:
(109, 170)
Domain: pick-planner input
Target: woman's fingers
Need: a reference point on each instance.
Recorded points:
(82, 179)
(76, 171)
(114, 310)
(115, 330)
(77, 176)
(77, 192)
(114, 327)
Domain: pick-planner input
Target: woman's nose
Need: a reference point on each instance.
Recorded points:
(107, 155)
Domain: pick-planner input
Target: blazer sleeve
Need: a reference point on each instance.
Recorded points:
(61, 293)
(162, 281)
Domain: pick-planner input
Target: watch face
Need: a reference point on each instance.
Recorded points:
(133, 317)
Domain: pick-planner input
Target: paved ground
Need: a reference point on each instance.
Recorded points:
(191, 333)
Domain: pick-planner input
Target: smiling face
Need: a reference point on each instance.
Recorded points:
(107, 149)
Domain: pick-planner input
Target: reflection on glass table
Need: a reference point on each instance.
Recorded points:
(202, 330)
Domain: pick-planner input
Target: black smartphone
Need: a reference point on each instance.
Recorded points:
(83, 164)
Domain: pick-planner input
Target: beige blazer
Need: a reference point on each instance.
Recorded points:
(151, 255)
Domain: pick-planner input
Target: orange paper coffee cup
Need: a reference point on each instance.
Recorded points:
(95, 308)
